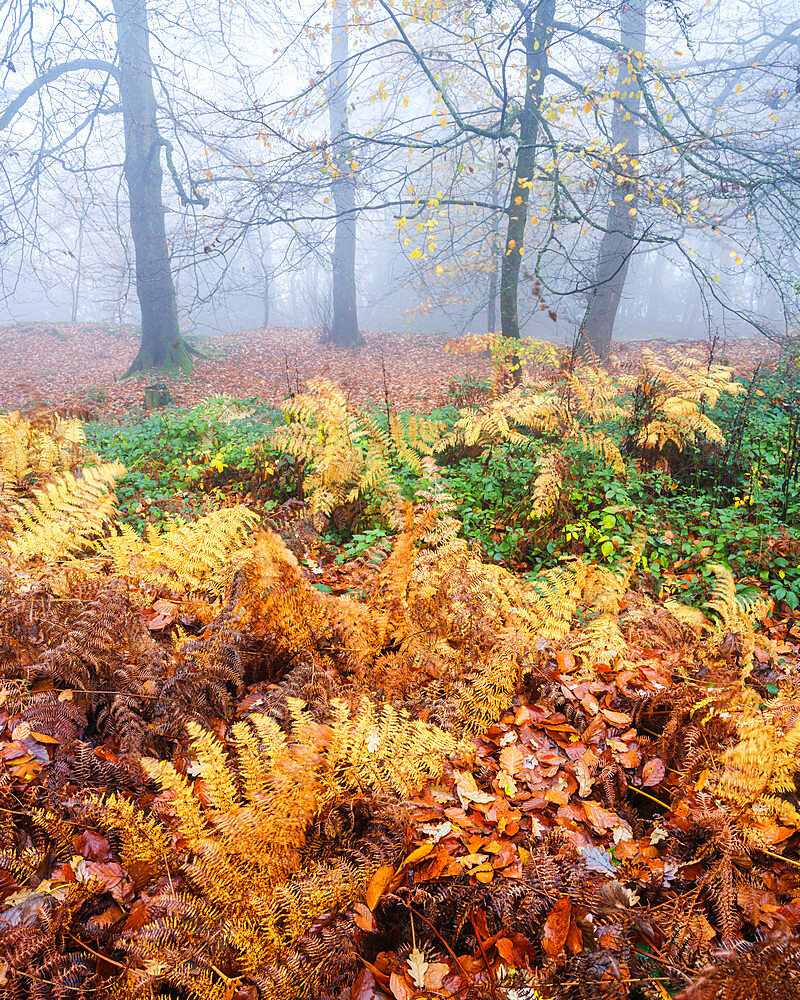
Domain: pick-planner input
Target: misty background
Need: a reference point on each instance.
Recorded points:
(243, 111)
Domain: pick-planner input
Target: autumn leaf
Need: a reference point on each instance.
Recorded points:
(377, 885)
(600, 819)
(511, 759)
(417, 966)
(556, 927)
(364, 918)
(468, 791)
(92, 846)
(653, 772)
(435, 975)
(620, 720)
(417, 855)
(400, 987)
(365, 987)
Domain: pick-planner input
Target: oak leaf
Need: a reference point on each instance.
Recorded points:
(417, 966)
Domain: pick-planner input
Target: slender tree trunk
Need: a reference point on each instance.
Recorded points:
(537, 36)
(494, 282)
(161, 345)
(491, 309)
(618, 243)
(76, 281)
(265, 262)
(344, 325)
(293, 306)
(656, 289)
(265, 296)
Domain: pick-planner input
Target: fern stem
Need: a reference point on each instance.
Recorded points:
(647, 795)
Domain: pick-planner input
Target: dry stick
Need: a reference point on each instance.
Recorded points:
(438, 935)
(647, 795)
(97, 954)
(489, 969)
(780, 857)
(51, 982)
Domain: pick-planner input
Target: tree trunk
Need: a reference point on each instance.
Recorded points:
(656, 290)
(491, 310)
(76, 281)
(536, 45)
(618, 243)
(494, 252)
(161, 344)
(344, 325)
(265, 263)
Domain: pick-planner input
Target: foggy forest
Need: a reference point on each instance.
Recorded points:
(399, 500)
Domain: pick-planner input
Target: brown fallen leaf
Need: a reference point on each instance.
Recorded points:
(653, 772)
(364, 918)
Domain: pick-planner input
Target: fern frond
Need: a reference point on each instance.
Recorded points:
(68, 516)
(186, 556)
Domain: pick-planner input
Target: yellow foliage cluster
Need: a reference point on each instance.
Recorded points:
(757, 776)
(184, 557)
(68, 517)
(33, 450)
(671, 397)
(345, 454)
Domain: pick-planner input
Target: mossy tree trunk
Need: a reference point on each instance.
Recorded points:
(162, 345)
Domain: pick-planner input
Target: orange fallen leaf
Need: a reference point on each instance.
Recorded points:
(556, 927)
(418, 854)
(377, 885)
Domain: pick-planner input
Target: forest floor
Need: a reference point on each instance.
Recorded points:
(79, 366)
(429, 708)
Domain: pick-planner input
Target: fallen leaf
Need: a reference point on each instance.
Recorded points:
(556, 927)
(365, 987)
(584, 778)
(511, 759)
(435, 975)
(400, 987)
(92, 846)
(364, 918)
(653, 772)
(600, 819)
(418, 855)
(620, 720)
(599, 860)
(468, 791)
(377, 885)
(417, 966)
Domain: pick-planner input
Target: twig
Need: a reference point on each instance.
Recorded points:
(647, 795)
(438, 935)
(489, 969)
(97, 954)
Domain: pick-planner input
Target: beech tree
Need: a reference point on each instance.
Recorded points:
(344, 330)
(162, 344)
(131, 72)
(617, 243)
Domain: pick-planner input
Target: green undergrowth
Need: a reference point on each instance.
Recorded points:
(186, 460)
(735, 504)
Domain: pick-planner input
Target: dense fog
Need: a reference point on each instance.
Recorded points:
(430, 142)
